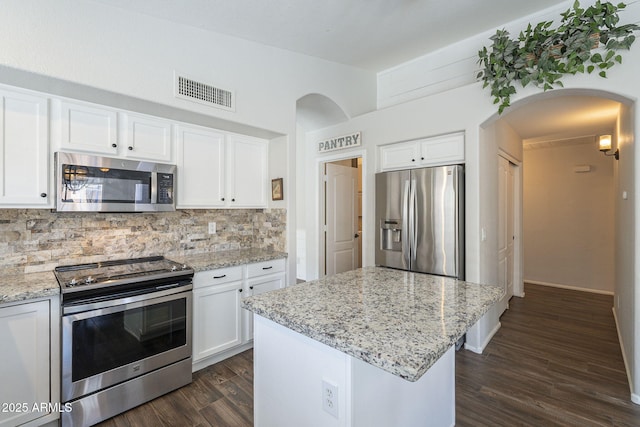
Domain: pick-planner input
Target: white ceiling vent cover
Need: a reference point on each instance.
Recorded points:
(203, 93)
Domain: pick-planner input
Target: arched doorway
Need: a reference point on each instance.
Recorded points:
(313, 112)
(575, 116)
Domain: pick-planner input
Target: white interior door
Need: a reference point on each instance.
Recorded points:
(505, 229)
(341, 218)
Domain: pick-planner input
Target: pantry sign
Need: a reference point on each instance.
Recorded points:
(340, 142)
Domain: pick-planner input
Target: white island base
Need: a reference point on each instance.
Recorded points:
(291, 370)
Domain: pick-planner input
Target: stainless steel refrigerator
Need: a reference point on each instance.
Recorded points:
(420, 220)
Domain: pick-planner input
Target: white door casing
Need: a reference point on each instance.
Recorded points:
(341, 218)
(505, 229)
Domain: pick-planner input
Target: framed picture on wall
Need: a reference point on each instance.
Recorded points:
(277, 192)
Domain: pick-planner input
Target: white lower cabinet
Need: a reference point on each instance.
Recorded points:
(29, 363)
(221, 328)
(216, 311)
(262, 277)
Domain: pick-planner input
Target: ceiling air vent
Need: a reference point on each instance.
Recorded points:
(196, 91)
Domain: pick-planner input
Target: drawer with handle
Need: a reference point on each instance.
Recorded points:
(265, 267)
(217, 276)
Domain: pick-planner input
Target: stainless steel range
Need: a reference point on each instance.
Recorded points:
(126, 335)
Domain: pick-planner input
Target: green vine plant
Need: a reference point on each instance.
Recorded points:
(585, 41)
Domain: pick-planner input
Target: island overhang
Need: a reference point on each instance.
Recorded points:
(398, 321)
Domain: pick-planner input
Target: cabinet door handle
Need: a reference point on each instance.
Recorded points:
(267, 268)
(222, 199)
(114, 145)
(219, 277)
(413, 160)
(239, 290)
(251, 287)
(130, 148)
(233, 200)
(43, 195)
(421, 158)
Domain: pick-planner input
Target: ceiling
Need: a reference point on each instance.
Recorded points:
(562, 118)
(369, 34)
(379, 34)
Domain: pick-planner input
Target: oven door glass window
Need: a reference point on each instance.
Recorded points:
(105, 342)
(87, 184)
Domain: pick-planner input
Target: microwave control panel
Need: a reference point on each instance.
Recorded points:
(165, 188)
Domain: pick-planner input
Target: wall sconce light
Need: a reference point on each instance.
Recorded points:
(605, 146)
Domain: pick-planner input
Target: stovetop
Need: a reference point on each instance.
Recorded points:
(80, 277)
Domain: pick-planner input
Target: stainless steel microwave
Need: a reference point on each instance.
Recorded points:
(102, 184)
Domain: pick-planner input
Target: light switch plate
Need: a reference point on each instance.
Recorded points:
(212, 228)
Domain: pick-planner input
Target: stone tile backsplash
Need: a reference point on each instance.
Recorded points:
(39, 240)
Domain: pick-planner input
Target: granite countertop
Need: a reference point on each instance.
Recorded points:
(213, 260)
(398, 321)
(21, 287)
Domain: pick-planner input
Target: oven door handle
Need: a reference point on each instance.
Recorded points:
(102, 303)
(171, 286)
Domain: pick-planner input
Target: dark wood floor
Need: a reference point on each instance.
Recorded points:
(556, 361)
(220, 395)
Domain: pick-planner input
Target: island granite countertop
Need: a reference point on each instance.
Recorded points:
(398, 321)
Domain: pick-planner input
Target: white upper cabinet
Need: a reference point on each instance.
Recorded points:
(435, 151)
(220, 170)
(247, 161)
(440, 150)
(145, 137)
(85, 127)
(24, 154)
(399, 156)
(102, 130)
(201, 168)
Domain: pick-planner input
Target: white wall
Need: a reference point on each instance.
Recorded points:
(569, 216)
(627, 296)
(134, 54)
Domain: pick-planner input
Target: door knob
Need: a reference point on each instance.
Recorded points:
(356, 235)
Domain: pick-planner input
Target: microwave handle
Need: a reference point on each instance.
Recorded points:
(154, 188)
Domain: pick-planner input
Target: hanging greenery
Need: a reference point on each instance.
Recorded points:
(586, 40)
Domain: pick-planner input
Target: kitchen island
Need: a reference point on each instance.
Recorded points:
(369, 347)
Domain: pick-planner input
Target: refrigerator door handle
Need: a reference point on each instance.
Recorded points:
(405, 223)
(413, 220)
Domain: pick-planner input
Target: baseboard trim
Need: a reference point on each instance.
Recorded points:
(635, 398)
(571, 288)
(219, 357)
(484, 344)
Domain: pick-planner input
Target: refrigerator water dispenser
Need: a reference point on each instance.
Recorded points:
(390, 235)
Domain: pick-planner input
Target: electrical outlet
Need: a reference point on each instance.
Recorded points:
(330, 398)
(212, 228)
